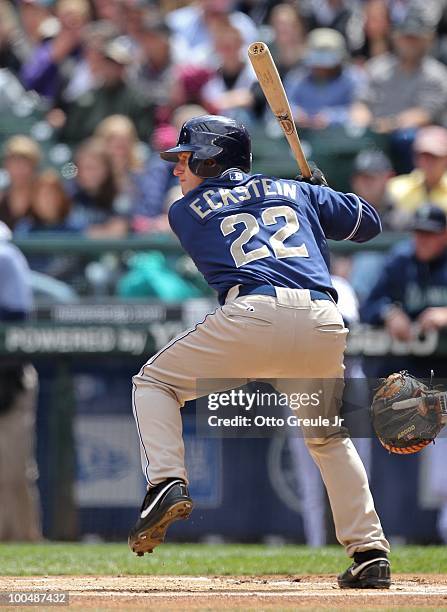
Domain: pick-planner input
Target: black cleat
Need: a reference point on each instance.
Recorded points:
(163, 504)
(372, 574)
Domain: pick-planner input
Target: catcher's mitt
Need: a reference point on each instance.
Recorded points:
(407, 415)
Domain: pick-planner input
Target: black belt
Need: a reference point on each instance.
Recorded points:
(270, 290)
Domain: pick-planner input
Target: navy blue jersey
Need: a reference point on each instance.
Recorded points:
(414, 285)
(256, 230)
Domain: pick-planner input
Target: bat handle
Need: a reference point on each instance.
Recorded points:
(303, 165)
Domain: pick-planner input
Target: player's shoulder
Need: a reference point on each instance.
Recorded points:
(175, 209)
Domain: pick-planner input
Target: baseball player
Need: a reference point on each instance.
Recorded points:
(260, 242)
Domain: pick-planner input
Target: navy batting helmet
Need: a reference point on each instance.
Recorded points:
(217, 143)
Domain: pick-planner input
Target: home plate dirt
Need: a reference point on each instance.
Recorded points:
(233, 592)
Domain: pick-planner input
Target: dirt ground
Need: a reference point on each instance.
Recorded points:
(232, 592)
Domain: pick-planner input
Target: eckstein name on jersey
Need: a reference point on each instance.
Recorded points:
(255, 189)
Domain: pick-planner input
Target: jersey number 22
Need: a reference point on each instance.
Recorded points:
(269, 216)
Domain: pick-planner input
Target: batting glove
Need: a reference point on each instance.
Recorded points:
(316, 178)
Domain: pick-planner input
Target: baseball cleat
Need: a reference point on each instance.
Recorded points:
(372, 574)
(163, 504)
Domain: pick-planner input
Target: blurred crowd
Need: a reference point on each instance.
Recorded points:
(91, 90)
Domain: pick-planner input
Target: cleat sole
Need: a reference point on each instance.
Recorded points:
(145, 541)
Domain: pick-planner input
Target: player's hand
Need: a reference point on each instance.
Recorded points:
(398, 324)
(433, 318)
(316, 178)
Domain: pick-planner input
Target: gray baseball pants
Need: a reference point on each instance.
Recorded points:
(287, 338)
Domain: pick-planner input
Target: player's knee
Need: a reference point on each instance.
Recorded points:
(146, 376)
(311, 442)
(151, 379)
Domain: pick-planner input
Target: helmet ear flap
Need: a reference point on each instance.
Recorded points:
(209, 163)
(205, 168)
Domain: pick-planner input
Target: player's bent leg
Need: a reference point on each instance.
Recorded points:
(167, 500)
(164, 384)
(159, 423)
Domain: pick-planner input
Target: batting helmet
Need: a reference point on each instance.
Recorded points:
(216, 143)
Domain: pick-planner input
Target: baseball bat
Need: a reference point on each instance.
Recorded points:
(271, 84)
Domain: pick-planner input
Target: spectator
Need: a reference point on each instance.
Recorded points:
(428, 181)
(372, 173)
(157, 185)
(95, 36)
(110, 95)
(228, 91)
(187, 86)
(95, 193)
(54, 58)
(288, 37)
(410, 296)
(109, 10)
(429, 9)
(124, 150)
(406, 89)
(37, 21)
(153, 187)
(287, 47)
(154, 74)
(135, 13)
(340, 15)
(375, 36)
(19, 510)
(322, 94)
(259, 12)
(193, 25)
(50, 208)
(22, 156)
